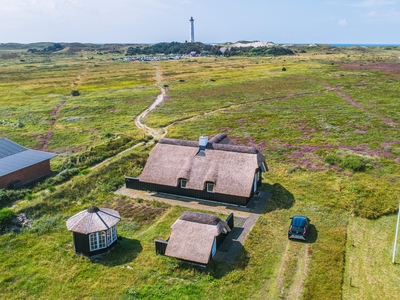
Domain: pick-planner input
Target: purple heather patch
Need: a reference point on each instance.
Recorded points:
(241, 121)
(359, 131)
(225, 130)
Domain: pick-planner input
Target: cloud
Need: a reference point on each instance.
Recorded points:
(365, 3)
(342, 22)
(388, 15)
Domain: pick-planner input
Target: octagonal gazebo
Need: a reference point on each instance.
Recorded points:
(94, 230)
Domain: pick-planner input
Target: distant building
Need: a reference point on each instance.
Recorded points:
(19, 165)
(216, 170)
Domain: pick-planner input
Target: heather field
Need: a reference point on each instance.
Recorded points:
(328, 124)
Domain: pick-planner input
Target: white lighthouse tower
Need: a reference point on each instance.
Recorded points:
(191, 30)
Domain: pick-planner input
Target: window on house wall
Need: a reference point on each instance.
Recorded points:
(257, 176)
(183, 183)
(97, 240)
(210, 187)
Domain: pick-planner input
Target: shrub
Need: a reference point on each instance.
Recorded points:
(75, 93)
(283, 69)
(354, 163)
(333, 159)
(62, 176)
(6, 216)
(8, 196)
(84, 172)
(48, 223)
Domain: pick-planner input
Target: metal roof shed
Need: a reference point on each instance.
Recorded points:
(20, 163)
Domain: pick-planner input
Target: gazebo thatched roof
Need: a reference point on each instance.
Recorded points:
(230, 167)
(193, 236)
(93, 219)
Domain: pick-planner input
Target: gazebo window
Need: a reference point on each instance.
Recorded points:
(210, 187)
(183, 183)
(111, 235)
(97, 240)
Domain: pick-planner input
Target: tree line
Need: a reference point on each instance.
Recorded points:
(205, 49)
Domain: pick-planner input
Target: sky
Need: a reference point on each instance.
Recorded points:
(153, 21)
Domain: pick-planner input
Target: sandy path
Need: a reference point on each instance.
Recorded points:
(156, 133)
(294, 253)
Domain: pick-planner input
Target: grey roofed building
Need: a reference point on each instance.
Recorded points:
(14, 158)
(194, 237)
(218, 170)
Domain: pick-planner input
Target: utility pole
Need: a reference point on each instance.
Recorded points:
(191, 30)
(397, 233)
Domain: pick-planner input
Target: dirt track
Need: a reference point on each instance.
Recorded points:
(156, 133)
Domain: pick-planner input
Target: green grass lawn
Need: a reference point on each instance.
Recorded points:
(328, 126)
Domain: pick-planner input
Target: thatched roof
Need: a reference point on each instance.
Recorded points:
(193, 235)
(230, 167)
(93, 219)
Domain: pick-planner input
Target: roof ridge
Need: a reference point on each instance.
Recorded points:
(211, 145)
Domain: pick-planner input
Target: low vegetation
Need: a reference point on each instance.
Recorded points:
(328, 126)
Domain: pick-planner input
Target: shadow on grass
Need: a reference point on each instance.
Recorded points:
(280, 198)
(313, 236)
(219, 269)
(124, 251)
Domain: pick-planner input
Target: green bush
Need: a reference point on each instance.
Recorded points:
(8, 196)
(6, 215)
(333, 159)
(354, 163)
(62, 176)
(75, 93)
(48, 223)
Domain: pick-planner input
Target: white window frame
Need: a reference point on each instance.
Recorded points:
(97, 240)
(102, 239)
(183, 186)
(111, 235)
(210, 190)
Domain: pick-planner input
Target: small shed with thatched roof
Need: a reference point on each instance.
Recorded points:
(196, 237)
(94, 230)
(214, 169)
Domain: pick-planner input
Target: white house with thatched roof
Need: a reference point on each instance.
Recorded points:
(214, 169)
(94, 230)
(196, 236)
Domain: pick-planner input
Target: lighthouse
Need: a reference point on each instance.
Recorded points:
(191, 30)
